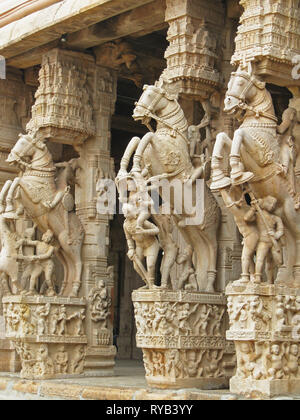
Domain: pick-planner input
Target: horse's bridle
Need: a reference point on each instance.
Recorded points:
(252, 81)
(31, 143)
(149, 110)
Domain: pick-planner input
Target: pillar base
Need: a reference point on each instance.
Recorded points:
(48, 334)
(264, 387)
(265, 328)
(182, 336)
(100, 361)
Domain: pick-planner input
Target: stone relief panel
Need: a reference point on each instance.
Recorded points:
(48, 333)
(182, 335)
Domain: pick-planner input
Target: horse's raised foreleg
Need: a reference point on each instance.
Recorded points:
(130, 149)
(3, 194)
(146, 140)
(219, 180)
(238, 175)
(10, 195)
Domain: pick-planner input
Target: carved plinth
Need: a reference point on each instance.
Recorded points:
(182, 336)
(265, 327)
(48, 334)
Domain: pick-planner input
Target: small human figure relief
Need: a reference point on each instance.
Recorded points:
(174, 364)
(61, 360)
(194, 365)
(288, 313)
(44, 365)
(292, 354)
(214, 366)
(141, 245)
(40, 263)
(240, 313)
(259, 313)
(77, 363)
(19, 320)
(234, 199)
(216, 325)
(276, 361)
(288, 150)
(140, 319)
(166, 314)
(202, 320)
(9, 264)
(271, 230)
(78, 317)
(27, 357)
(249, 360)
(183, 315)
(199, 146)
(158, 363)
(41, 316)
(100, 302)
(281, 313)
(60, 321)
(170, 249)
(138, 185)
(187, 279)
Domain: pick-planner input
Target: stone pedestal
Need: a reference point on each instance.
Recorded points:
(265, 327)
(48, 334)
(182, 336)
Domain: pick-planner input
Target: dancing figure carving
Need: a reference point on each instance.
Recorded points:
(48, 206)
(166, 153)
(256, 158)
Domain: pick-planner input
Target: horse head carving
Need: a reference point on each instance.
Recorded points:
(242, 90)
(26, 147)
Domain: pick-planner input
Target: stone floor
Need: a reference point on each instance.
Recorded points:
(127, 384)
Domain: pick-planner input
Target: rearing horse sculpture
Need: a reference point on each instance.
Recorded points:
(166, 152)
(255, 156)
(49, 207)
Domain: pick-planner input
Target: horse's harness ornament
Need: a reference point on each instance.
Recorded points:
(252, 81)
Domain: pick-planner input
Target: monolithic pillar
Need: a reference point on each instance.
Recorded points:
(264, 317)
(15, 101)
(98, 279)
(68, 330)
(181, 324)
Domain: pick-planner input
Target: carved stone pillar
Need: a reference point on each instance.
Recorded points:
(194, 34)
(74, 104)
(98, 279)
(182, 336)
(16, 99)
(265, 327)
(268, 34)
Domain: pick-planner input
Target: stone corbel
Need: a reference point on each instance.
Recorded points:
(192, 56)
(63, 110)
